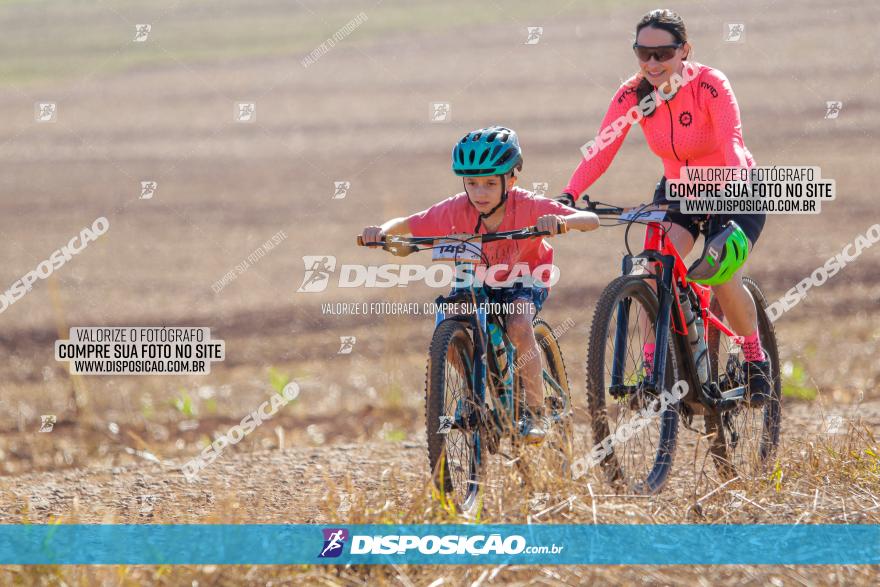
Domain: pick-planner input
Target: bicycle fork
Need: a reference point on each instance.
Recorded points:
(661, 329)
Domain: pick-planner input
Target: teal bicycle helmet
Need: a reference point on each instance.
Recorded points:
(723, 254)
(488, 151)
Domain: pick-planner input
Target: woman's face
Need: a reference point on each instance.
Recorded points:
(659, 72)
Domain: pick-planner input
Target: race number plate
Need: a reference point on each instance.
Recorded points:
(454, 250)
(644, 216)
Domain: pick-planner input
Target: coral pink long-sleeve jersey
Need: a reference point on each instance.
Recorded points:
(699, 126)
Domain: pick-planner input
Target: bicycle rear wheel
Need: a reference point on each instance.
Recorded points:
(743, 440)
(557, 396)
(455, 446)
(642, 451)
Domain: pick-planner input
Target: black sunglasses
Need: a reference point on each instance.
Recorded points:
(660, 52)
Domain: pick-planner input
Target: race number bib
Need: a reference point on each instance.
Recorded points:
(450, 250)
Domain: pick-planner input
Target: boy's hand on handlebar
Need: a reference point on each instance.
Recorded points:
(551, 223)
(372, 234)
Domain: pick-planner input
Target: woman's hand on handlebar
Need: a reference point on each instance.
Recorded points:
(567, 199)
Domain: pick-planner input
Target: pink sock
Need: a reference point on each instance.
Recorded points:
(752, 348)
(648, 352)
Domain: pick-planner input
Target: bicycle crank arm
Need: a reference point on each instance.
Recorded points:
(722, 401)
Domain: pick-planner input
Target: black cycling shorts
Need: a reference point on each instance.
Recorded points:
(751, 224)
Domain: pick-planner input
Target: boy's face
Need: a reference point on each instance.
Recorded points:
(485, 192)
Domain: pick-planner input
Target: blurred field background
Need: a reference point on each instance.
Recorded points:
(163, 110)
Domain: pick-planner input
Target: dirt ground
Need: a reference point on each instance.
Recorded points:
(351, 447)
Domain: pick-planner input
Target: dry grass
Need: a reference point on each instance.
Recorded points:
(830, 479)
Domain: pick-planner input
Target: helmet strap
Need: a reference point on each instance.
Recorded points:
(493, 210)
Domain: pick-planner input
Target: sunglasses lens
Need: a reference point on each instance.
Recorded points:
(659, 53)
(665, 54)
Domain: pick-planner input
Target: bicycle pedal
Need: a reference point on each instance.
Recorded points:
(735, 393)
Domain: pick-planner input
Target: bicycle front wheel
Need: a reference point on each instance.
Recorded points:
(640, 445)
(455, 446)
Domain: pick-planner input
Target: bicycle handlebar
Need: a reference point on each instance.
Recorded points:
(520, 234)
(603, 209)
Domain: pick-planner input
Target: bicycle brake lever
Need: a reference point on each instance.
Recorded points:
(399, 249)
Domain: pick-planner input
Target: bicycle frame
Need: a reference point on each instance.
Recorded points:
(671, 278)
(483, 366)
(655, 240)
(479, 325)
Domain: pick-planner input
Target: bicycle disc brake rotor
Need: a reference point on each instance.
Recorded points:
(639, 400)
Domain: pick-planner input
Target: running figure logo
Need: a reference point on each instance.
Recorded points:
(141, 32)
(47, 423)
(735, 32)
(445, 425)
(440, 112)
(148, 189)
(342, 188)
(832, 109)
(334, 540)
(346, 345)
(318, 270)
(540, 188)
(245, 112)
(46, 111)
(535, 33)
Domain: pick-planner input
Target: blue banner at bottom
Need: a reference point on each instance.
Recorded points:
(547, 544)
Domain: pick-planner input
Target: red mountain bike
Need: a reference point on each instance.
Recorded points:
(653, 301)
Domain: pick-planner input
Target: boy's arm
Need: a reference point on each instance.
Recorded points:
(374, 234)
(582, 220)
(549, 211)
(396, 226)
(435, 220)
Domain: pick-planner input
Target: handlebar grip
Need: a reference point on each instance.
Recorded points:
(361, 243)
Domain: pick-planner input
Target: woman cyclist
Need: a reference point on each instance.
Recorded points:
(695, 123)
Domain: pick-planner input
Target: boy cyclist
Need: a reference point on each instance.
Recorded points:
(488, 159)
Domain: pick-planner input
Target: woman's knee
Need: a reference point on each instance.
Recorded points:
(734, 284)
(681, 238)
